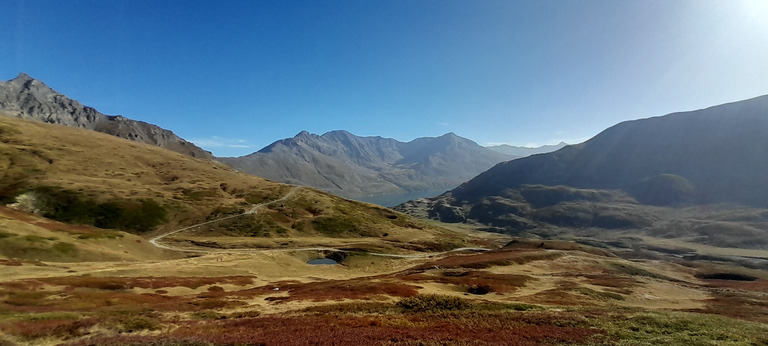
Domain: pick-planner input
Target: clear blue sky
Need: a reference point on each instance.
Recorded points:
(234, 76)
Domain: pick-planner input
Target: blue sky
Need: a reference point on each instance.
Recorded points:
(234, 76)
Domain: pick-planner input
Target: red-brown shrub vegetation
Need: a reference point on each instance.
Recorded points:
(492, 258)
(743, 305)
(11, 262)
(474, 279)
(43, 328)
(755, 286)
(507, 329)
(337, 290)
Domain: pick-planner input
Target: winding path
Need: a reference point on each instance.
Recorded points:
(155, 240)
(253, 210)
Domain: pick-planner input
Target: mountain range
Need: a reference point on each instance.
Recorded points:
(519, 151)
(360, 167)
(28, 98)
(719, 154)
(374, 169)
(698, 174)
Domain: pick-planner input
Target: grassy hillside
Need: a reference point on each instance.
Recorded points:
(27, 237)
(244, 277)
(83, 177)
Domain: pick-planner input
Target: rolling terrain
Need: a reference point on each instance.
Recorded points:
(58, 172)
(690, 180)
(105, 241)
(370, 168)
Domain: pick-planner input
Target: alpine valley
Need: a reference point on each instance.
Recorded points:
(117, 232)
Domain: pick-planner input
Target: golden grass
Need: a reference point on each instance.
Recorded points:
(104, 168)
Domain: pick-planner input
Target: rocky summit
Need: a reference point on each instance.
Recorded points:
(29, 98)
(361, 167)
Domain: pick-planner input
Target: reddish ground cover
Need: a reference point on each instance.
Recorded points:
(755, 286)
(338, 290)
(506, 329)
(473, 281)
(492, 258)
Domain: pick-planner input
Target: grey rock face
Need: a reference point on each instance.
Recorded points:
(351, 166)
(29, 98)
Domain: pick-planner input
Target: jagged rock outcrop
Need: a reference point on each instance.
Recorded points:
(28, 98)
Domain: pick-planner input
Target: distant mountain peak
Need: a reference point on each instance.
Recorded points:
(22, 78)
(355, 166)
(29, 98)
(523, 151)
(303, 133)
(343, 132)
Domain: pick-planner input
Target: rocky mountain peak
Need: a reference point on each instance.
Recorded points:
(361, 167)
(22, 78)
(29, 98)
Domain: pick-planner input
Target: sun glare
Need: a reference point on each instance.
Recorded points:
(755, 11)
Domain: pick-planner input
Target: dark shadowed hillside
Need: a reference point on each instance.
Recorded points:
(698, 176)
(358, 167)
(721, 153)
(28, 98)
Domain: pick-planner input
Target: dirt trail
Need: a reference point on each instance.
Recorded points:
(254, 210)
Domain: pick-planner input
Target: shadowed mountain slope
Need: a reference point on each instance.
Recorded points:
(720, 152)
(351, 166)
(28, 98)
(696, 176)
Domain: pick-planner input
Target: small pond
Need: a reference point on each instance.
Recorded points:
(321, 261)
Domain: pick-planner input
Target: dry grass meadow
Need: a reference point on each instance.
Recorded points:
(246, 280)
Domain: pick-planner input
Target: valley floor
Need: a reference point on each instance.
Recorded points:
(526, 292)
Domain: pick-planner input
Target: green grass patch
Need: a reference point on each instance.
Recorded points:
(635, 271)
(4, 235)
(37, 239)
(506, 307)
(678, 328)
(65, 248)
(433, 303)
(339, 226)
(139, 323)
(249, 226)
(73, 207)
